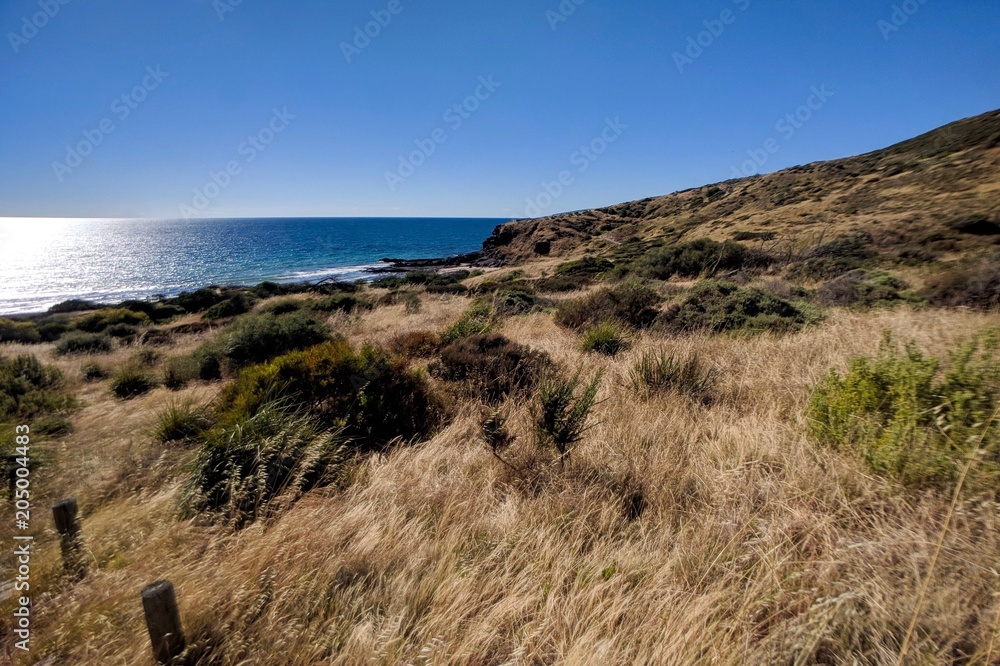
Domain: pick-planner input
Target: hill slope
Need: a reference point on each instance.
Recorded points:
(937, 193)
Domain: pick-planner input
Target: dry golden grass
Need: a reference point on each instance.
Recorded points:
(753, 546)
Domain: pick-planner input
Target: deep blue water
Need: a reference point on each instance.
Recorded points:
(43, 262)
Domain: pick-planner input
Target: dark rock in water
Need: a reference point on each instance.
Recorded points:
(408, 265)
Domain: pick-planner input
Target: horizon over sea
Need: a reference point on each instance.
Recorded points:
(47, 261)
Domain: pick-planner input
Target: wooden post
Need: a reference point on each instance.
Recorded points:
(163, 621)
(67, 521)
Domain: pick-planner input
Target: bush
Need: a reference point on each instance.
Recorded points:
(478, 319)
(103, 319)
(416, 344)
(19, 331)
(606, 339)
(245, 468)
(975, 285)
(563, 283)
(865, 289)
(491, 367)
(29, 389)
(840, 256)
(51, 329)
(131, 382)
(181, 422)
(74, 305)
(83, 343)
(702, 257)
(233, 306)
(92, 372)
(630, 304)
(724, 306)
(589, 266)
(157, 312)
(373, 395)
(285, 306)
(256, 338)
(122, 331)
(911, 420)
(659, 372)
(198, 301)
(52, 426)
(179, 371)
(338, 303)
(564, 406)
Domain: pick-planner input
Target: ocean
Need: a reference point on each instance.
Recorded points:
(46, 261)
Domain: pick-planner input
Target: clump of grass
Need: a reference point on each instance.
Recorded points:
(837, 257)
(564, 406)
(606, 339)
(78, 343)
(179, 371)
(94, 372)
(340, 303)
(52, 426)
(912, 420)
(284, 306)
(630, 304)
(589, 266)
(237, 304)
(416, 344)
(724, 306)
(29, 389)
(491, 367)
(262, 463)
(131, 381)
(661, 371)
(478, 319)
(973, 284)
(181, 422)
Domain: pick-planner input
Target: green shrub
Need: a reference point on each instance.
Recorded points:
(157, 312)
(660, 372)
(92, 372)
(373, 395)
(179, 371)
(103, 319)
(702, 257)
(181, 422)
(589, 266)
(285, 306)
(19, 331)
(865, 289)
(975, 284)
(74, 305)
(255, 466)
(564, 406)
(563, 283)
(840, 256)
(606, 339)
(630, 304)
(83, 343)
(52, 328)
(256, 338)
(724, 306)
(29, 389)
(491, 367)
(912, 420)
(199, 301)
(131, 382)
(338, 303)
(478, 319)
(122, 331)
(233, 306)
(52, 426)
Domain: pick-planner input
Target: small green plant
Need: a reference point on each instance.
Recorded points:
(181, 422)
(179, 371)
(564, 406)
(78, 343)
(30, 389)
(52, 426)
(661, 371)
(478, 319)
(912, 420)
(131, 382)
(93, 372)
(606, 339)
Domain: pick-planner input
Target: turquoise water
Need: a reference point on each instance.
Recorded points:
(43, 262)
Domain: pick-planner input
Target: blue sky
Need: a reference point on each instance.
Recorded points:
(264, 96)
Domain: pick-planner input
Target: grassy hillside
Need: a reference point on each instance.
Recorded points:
(936, 194)
(706, 428)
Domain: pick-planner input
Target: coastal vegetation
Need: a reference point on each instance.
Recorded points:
(677, 436)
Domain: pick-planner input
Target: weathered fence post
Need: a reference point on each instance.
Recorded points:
(66, 517)
(163, 621)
